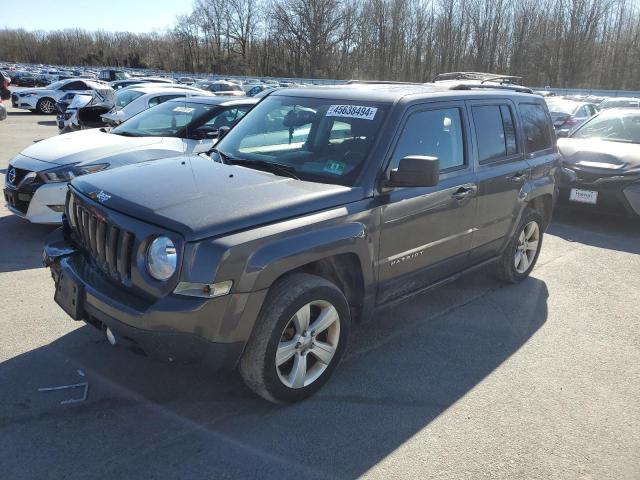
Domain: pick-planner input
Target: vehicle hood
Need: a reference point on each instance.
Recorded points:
(599, 155)
(89, 146)
(200, 198)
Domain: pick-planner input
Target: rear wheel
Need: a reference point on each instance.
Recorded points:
(523, 250)
(46, 106)
(299, 338)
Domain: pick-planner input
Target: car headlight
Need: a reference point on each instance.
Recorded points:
(67, 173)
(28, 94)
(162, 258)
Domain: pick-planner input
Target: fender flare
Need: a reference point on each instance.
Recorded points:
(284, 255)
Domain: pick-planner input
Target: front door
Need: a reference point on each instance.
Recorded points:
(426, 232)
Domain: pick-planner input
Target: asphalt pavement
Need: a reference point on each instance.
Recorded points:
(475, 380)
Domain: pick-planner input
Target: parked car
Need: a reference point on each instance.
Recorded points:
(256, 89)
(111, 75)
(36, 182)
(5, 80)
(221, 87)
(619, 102)
(601, 163)
(23, 79)
(319, 206)
(131, 101)
(43, 100)
(568, 114)
(118, 84)
(100, 100)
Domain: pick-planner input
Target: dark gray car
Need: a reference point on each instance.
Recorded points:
(318, 207)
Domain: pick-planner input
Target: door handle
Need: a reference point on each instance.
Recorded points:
(519, 177)
(463, 192)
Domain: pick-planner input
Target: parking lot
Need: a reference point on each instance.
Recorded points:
(475, 380)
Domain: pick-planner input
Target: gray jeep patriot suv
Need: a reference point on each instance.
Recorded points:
(319, 206)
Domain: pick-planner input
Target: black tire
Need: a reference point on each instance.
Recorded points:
(45, 102)
(506, 268)
(286, 297)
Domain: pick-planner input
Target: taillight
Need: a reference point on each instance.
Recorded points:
(570, 122)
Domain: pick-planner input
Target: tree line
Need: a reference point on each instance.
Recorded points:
(562, 43)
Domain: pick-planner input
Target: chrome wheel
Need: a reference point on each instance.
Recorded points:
(47, 106)
(308, 344)
(527, 247)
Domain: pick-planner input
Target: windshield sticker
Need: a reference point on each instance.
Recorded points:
(336, 168)
(183, 109)
(352, 111)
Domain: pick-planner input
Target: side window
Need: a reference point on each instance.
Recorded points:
(227, 118)
(74, 86)
(535, 123)
(433, 133)
(495, 132)
(161, 99)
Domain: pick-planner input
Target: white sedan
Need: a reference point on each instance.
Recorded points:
(135, 99)
(36, 180)
(43, 100)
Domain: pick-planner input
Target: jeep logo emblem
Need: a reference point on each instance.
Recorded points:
(102, 196)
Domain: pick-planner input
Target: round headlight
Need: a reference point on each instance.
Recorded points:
(162, 258)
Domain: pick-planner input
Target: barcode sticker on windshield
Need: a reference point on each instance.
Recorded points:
(183, 109)
(352, 111)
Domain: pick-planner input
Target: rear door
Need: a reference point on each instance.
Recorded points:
(426, 232)
(502, 171)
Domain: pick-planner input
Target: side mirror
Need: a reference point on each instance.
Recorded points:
(562, 133)
(416, 171)
(222, 131)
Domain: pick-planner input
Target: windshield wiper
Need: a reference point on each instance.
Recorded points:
(273, 167)
(277, 168)
(126, 134)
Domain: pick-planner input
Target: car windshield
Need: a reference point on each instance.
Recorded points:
(180, 119)
(615, 126)
(320, 140)
(125, 97)
(562, 106)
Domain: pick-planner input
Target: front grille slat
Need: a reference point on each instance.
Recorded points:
(109, 246)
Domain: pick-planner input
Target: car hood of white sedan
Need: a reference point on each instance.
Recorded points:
(85, 146)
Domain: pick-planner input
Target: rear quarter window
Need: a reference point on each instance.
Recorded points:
(536, 127)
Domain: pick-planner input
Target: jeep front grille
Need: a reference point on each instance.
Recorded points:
(109, 246)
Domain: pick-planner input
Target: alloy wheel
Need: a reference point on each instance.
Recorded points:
(47, 106)
(527, 247)
(308, 344)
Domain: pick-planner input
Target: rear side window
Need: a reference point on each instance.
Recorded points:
(436, 133)
(494, 131)
(535, 124)
(161, 99)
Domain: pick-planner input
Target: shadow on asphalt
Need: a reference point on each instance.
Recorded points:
(597, 230)
(21, 243)
(145, 419)
(48, 123)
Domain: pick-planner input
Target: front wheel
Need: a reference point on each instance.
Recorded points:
(521, 254)
(299, 338)
(46, 106)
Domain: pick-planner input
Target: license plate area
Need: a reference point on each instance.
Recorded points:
(69, 295)
(583, 196)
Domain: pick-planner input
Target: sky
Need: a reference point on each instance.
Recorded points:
(112, 15)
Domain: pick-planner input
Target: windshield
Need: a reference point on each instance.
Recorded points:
(125, 97)
(562, 106)
(321, 140)
(613, 126)
(181, 119)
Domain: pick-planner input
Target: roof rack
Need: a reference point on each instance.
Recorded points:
(481, 76)
(380, 82)
(471, 86)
